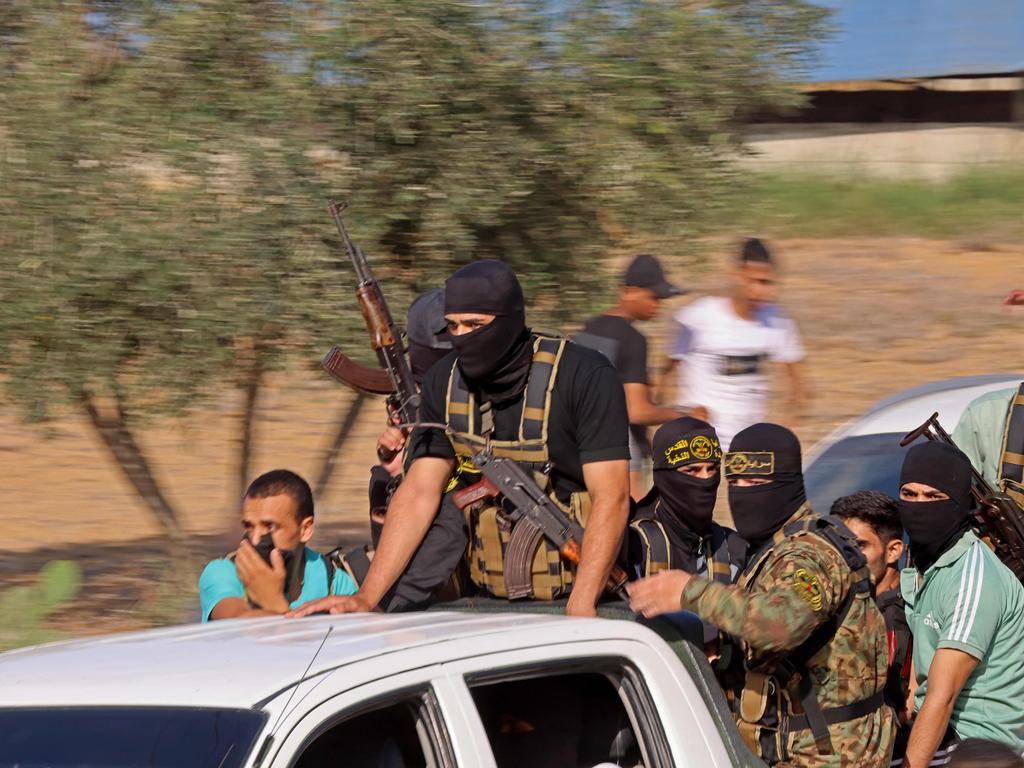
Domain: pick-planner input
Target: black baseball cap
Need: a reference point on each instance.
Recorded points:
(645, 272)
(426, 324)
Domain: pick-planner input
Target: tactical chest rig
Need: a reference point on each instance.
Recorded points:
(658, 550)
(1011, 462)
(493, 540)
(778, 698)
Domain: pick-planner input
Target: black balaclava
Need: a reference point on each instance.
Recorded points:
(769, 452)
(934, 526)
(428, 336)
(689, 501)
(494, 359)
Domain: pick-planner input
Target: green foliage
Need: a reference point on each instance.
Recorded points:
(164, 166)
(27, 608)
(979, 204)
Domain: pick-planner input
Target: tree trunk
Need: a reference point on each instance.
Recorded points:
(118, 438)
(253, 384)
(345, 427)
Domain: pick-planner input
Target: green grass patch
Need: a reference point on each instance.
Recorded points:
(980, 204)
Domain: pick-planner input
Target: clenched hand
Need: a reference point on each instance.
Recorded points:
(264, 584)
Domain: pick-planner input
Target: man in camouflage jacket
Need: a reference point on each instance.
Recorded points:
(814, 641)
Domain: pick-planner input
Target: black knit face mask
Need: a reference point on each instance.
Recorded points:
(495, 358)
(689, 499)
(764, 452)
(934, 526)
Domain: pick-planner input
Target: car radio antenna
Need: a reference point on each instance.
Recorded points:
(265, 747)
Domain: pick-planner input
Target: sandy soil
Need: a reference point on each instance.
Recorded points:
(877, 315)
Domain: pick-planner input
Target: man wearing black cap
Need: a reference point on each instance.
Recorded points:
(548, 403)
(966, 613)
(674, 527)
(814, 641)
(644, 287)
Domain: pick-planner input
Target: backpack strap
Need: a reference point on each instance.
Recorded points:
(655, 543)
(1011, 462)
(720, 556)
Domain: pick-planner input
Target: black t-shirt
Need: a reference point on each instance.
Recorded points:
(628, 351)
(897, 682)
(588, 421)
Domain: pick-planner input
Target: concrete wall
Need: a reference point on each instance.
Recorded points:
(934, 151)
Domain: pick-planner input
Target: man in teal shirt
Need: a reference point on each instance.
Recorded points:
(272, 570)
(965, 610)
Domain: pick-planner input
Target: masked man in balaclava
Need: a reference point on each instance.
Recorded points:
(966, 614)
(814, 642)
(554, 406)
(673, 527)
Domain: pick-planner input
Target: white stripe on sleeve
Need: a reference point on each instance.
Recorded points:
(980, 567)
(963, 595)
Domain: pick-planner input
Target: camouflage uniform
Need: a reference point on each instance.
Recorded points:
(774, 609)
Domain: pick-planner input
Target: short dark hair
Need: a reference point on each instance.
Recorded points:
(975, 753)
(876, 509)
(283, 481)
(755, 252)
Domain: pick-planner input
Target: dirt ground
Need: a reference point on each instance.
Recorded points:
(877, 316)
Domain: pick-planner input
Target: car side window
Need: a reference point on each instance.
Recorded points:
(566, 718)
(406, 733)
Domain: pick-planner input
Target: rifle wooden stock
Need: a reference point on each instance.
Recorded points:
(374, 381)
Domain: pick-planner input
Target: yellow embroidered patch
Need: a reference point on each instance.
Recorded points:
(807, 588)
(749, 463)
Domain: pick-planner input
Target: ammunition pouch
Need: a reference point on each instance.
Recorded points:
(516, 561)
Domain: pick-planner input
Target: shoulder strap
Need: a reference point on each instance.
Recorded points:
(720, 558)
(657, 551)
(355, 563)
(530, 446)
(1011, 462)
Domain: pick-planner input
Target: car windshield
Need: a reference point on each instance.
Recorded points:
(118, 737)
(861, 463)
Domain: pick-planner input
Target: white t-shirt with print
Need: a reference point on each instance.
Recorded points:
(724, 358)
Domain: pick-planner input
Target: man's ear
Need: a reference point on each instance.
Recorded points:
(893, 550)
(306, 529)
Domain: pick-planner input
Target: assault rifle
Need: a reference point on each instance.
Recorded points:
(533, 515)
(394, 377)
(998, 517)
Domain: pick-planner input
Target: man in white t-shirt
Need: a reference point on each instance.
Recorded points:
(725, 343)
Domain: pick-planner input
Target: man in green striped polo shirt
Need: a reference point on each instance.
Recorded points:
(966, 613)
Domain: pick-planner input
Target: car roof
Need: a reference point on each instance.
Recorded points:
(908, 408)
(243, 662)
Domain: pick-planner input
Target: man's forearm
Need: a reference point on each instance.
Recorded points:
(929, 728)
(406, 523)
(600, 546)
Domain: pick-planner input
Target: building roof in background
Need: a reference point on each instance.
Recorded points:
(891, 39)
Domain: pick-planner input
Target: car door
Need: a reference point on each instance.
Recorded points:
(616, 702)
(405, 720)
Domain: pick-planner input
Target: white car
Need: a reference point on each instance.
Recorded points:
(865, 453)
(437, 689)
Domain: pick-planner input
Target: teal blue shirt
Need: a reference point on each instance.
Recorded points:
(970, 601)
(220, 580)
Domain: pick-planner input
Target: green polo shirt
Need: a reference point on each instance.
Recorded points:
(970, 601)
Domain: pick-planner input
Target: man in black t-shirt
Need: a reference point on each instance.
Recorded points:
(584, 437)
(612, 333)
